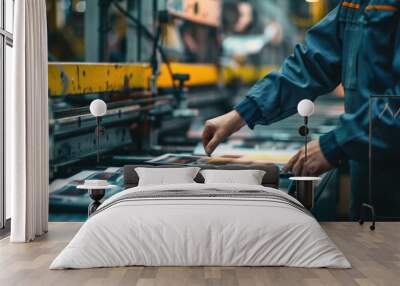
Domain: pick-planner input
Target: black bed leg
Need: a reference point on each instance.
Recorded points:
(372, 210)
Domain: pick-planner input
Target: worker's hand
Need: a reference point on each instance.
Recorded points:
(316, 162)
(220, 128)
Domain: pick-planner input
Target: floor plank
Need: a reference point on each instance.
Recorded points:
(375, 257)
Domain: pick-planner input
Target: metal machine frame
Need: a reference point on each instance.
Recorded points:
(97, 26)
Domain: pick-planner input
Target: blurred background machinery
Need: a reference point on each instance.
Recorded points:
(164, 67)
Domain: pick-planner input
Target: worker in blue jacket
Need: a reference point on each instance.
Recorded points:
(356, 44)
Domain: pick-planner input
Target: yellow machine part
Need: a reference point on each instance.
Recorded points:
(200, 74)
(83, 78)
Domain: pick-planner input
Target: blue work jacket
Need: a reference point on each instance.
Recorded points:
(356, 44)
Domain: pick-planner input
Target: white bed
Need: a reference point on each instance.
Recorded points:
(269, 228)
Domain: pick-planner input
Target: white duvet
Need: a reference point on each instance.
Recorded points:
(200, 231)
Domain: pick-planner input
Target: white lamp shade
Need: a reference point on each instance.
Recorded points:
(98, 107)
(305, 107)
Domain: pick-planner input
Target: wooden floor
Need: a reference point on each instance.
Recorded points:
(375, 257)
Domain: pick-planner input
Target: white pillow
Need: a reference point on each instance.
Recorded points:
(248, 177)
(166, 176)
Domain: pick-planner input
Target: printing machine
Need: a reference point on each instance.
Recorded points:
(137, 122)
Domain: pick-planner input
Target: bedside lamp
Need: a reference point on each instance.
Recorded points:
(305, 108)
(305, 185)
(98, 108)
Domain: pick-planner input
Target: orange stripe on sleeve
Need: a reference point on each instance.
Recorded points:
(381, 8)
(351, 5)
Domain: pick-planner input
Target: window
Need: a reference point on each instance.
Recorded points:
(6, 43)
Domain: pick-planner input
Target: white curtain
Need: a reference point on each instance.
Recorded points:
(27, 124)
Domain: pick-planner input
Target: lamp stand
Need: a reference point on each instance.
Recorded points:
(98, 138)
(305, 138)
(303, 131)
(99, 131)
